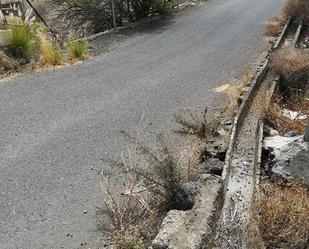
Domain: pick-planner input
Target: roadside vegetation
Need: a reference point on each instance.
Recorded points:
(152, 178)
(29, 44)
(283, 203)
(77, 50)
(292, 65)
(294, 9)
(101, 15)
(284, 215)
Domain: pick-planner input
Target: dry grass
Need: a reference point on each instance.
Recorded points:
(284, 215)
(193, 124)
(295, 8)
(283, 124)
(148, 182)
(133, 210)
(273, 27)
(290, 63)
(51, 54)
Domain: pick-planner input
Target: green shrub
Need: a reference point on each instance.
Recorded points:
(77, 49)
(162, 6)
(21, 42)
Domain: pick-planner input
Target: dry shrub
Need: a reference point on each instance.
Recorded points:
(193, 124)
(284, 215)
(291, 64)
(151, 179)
(133, 210)
(295, 8)
(273, 27)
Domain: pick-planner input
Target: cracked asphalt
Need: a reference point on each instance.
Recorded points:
(55, 126)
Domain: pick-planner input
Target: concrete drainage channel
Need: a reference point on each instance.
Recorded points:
(220, 215)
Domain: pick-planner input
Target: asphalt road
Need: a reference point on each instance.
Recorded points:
(55, 126)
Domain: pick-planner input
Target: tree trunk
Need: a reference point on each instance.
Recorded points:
(306, 137)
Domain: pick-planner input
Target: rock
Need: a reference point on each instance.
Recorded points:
(291, 157)
(214, 166)
(209, 177)
(171, 223)
(216, 148)
(185, 198)
(223, 129)
(193, 228)
(197, 230)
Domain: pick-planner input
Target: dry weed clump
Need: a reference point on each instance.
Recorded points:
(193, 124)
(151, 179)
(296, 8)
(284, 215)
(133, 210)
(291, 64)
(273, 27)
(282, 124)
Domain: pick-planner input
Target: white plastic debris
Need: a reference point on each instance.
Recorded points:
(277, 142)
(293, 115)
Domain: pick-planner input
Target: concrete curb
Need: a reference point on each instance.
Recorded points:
(297, 34)
(281, 36)
(258, 155)
(143, 21)
(240, 115)
(244, 106)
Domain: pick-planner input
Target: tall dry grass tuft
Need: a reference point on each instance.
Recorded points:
(51, 54)
(284, 215)
(290, 63)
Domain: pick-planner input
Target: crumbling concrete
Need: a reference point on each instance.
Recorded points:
(290, 157)
(191, 229)
(213, 166)
(185, 197)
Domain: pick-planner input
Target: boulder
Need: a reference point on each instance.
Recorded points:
(192, 229)
(185, 197)
(214, 166)
(290, 157)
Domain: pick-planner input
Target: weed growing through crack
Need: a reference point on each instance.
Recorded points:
(201, 126)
